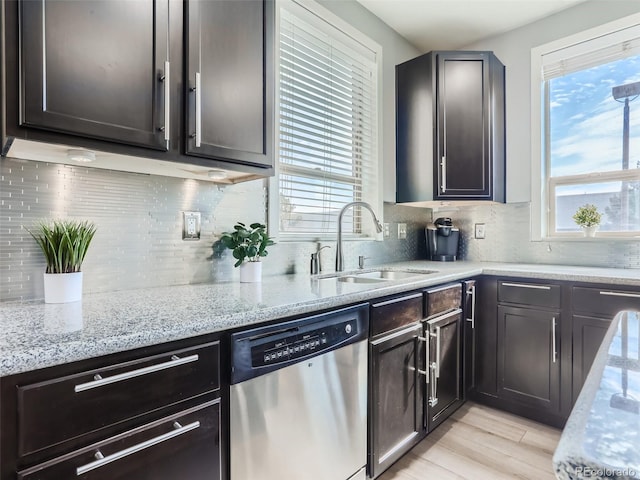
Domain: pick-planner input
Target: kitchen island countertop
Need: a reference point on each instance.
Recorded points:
(37, 335)
(601, 438)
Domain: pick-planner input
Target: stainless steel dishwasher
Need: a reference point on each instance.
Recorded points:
(299, 398)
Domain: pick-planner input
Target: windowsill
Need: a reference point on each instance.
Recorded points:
(596, 239)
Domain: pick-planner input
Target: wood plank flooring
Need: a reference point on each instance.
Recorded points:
(480, 443)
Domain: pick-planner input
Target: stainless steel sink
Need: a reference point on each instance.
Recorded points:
(360, 279)
(393, 274)
(380, 276)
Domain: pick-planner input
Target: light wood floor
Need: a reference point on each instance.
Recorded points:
(479, 443)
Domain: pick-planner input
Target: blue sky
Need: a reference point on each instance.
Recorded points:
(586, 122)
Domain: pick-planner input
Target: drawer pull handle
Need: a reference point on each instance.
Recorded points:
(100, 382)
(621, 294)
(524, 285)
(101, 460)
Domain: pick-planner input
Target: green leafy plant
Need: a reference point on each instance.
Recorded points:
(247, 243)
(64, 243)
(587, 216)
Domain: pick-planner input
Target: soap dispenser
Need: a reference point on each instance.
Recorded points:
(315, 261)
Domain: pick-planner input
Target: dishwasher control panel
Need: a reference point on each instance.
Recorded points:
(261, 350)
(296, 345)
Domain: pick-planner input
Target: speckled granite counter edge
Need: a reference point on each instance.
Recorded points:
(35, 356)
(570, 460)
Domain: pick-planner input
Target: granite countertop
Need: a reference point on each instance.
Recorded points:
(602, 436)
(37, 335)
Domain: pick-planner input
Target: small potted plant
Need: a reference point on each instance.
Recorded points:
(249, 245)
(588, 217)
(64, 244)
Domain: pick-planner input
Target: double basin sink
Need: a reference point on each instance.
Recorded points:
(379, 276)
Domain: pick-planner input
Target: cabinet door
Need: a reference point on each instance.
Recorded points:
(587, 335)
(469, 339)
(395, 419)
(96, 69)
(462, 161)
(186, 445)
(230, 80)
(529, 357)
(445, 367)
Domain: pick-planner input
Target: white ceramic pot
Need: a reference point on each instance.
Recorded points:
(590, 231)
(251, 272)
(62, 287)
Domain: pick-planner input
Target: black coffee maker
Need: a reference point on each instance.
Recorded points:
(442, 240)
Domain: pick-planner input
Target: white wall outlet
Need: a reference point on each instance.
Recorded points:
(386, 230)
(402, 231)
(191, 225)
(480, 230)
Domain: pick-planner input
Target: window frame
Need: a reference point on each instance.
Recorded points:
(313, 12)
(543, 186)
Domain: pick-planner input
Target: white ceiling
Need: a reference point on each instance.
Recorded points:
(452, 24)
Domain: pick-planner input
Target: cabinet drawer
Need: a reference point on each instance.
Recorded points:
(59, 409)
(604, 301)
(396, 312)
(529, 293)
(443, 299)
(185, 445)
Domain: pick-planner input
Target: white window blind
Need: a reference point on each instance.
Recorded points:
(327, 126)
(590, 53)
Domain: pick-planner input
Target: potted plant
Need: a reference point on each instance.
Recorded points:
(588, 217)
(249, 245)
(64, 244)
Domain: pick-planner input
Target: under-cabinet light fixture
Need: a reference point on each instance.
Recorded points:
(82, 156)
(217, 174)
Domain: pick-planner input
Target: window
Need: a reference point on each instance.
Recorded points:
(590, 97)
(328, 125)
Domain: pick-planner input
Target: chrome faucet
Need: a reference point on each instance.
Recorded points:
(339, 254)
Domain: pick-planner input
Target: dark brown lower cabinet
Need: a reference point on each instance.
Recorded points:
(469, 344)
(587, 335)
(444, 372)
(529, 357)
(396, 402)
(185, 445)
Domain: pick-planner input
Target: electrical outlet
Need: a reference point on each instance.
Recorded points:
(386, 230)
(191, 225)
(402, 231)
(480, 230)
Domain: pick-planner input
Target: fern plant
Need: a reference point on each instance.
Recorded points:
(64, 243)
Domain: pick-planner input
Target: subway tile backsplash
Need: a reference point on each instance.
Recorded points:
(139, 220)
(139, 242)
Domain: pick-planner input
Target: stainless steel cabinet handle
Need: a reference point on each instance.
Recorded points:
(167, 100)
(433, 397)
(101, 460)
(524, 285)
(198, 110)
(443, 164)
(553, 339)
(437, 352)
(472, 319)
(620, 294)
(100, 382)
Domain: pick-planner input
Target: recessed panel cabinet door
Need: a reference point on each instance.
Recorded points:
(395, 418)
(96, 69)
(230, 80)
(463, 159)
(529, 357)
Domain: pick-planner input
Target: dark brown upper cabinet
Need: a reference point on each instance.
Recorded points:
(187, 82)
(230, 80)
(97, 69)
(450, 127)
